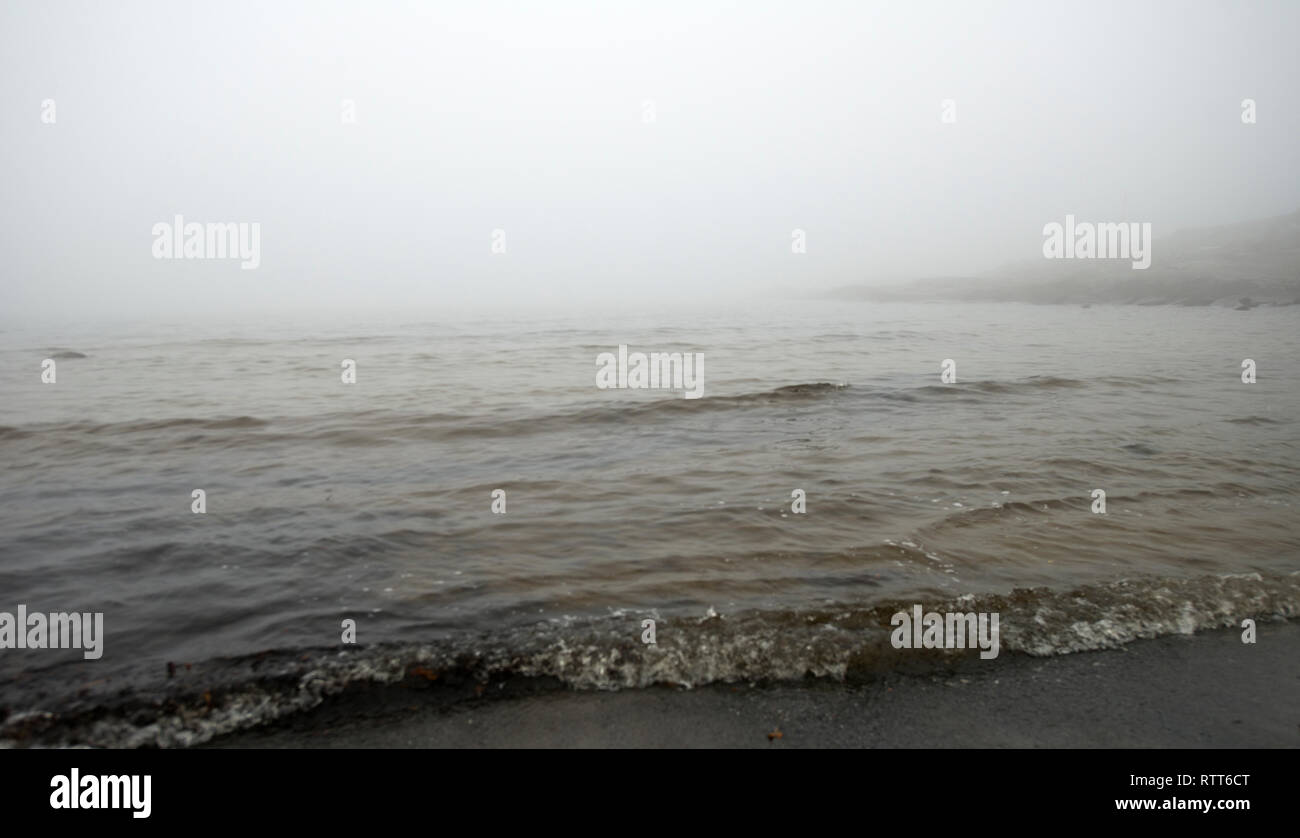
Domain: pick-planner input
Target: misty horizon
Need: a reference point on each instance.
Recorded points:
(630, 156)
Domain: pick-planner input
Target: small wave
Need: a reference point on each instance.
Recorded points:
(794, 390)
(1254, 420)
(993, 387)
(148, 426)
(1141, 381)
(468, 426)
(836, 642)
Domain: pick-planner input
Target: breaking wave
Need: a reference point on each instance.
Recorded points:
(193, 704)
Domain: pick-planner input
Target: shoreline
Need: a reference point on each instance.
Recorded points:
(1207, 690)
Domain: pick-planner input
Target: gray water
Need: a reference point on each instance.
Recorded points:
(372, 501)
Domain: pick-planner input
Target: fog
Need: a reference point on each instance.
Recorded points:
(632, 154)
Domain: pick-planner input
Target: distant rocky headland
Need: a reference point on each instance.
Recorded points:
(1240, 266)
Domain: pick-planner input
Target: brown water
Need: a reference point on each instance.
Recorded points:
(372, 501)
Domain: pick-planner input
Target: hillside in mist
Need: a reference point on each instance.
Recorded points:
(1259, 260)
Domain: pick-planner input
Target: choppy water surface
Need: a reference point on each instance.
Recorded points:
(372, 501)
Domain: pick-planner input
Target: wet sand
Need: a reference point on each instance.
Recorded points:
(1205, 690)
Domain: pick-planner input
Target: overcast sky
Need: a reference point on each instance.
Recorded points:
(532, 118)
